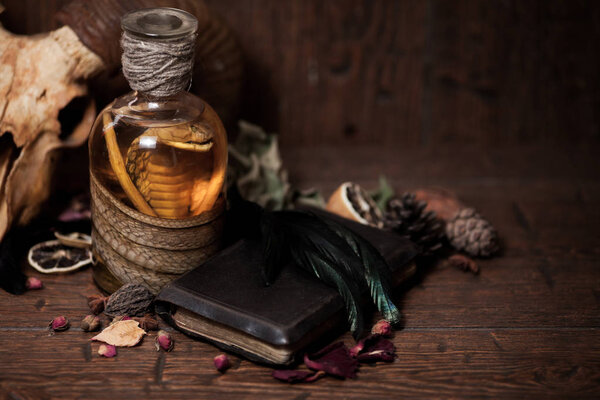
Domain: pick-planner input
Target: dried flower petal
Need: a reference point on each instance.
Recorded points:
(297, 376)
(221, 362)
(90, 323)
(374, 348)
(164, 341)
(334, 359)
(121, 333)
(107, 350)
(33, 283)
(148, 322)
(382, 327)
(463, 262)
(59, 324)
(97, 303)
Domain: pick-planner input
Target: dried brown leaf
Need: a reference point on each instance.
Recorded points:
(122, 334)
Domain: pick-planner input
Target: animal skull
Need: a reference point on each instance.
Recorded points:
(39, 76)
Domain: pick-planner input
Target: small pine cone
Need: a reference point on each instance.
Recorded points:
(407, 216)
(467, 231)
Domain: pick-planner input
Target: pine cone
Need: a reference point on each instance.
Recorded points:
(467, 231)
(406, 216)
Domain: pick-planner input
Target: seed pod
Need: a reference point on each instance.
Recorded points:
(90, 323)
(148, 322)
(96, 303)
(131, 299)
(59, 324)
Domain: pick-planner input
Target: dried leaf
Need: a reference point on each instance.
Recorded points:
(122, 333)
(334, 359)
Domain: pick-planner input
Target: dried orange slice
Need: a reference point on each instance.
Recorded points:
(353, 202)
(53, 256)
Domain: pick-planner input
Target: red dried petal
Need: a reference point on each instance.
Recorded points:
(107, 350)
(374, 348)
(296, 376)
(33, 283)
(334, 359)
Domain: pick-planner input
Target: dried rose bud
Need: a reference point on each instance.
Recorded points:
(221, 362)
(148, 322)
(96, 303)
(107, 350)
(59, 324)
(164, 341)
(90, 323)
(382, 327)
(33, 283)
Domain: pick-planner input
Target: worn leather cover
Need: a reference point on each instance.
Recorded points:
(229, 290)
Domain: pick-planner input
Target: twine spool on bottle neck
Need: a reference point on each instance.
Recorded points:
(158, 50)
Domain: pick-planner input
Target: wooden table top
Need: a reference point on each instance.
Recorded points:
(527, 326)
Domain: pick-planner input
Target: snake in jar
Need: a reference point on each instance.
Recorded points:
(155, 183)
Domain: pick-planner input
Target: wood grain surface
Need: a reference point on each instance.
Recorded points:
(495, 100)
(526, 327)
(407, 73)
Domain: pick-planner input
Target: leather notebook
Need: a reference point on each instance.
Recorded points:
(225, 301)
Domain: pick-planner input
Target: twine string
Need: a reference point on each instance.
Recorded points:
(159, 68)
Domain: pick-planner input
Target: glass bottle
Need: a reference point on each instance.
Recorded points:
(157, 160)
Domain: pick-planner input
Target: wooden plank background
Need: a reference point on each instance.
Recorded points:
(408, 73)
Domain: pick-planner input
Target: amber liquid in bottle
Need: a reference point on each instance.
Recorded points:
(174, 151)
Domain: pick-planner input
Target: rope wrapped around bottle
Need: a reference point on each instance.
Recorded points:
(159, 68)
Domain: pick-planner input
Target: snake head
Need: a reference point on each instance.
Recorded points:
(193, 137)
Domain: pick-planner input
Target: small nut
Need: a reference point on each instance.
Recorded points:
(90, 323)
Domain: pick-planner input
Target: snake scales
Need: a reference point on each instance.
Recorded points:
(155, 247)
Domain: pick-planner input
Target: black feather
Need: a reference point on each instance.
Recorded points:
(321, 247)
(307, 240)
(327, 272)
(275, 247)
(377, 272)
